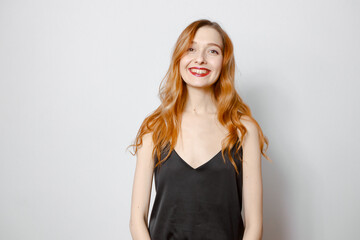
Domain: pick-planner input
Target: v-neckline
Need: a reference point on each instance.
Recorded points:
(202, 165)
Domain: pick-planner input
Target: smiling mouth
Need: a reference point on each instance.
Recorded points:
(199, 72)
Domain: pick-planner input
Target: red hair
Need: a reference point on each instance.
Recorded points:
(164, 122)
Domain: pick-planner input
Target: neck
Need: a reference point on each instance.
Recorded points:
(199, 101)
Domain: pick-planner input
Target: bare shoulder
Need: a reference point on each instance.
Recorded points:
(250, 125)
(145, 150)
(147, 140)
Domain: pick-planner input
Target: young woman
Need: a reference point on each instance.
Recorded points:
(204, 147)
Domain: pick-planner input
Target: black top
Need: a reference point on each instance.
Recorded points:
(197, 203)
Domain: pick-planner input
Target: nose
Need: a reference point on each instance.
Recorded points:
(199, 58)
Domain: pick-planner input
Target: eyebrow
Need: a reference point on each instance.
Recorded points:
(210, 44)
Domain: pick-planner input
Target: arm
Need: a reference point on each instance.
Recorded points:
(252, 182)
(141, 191)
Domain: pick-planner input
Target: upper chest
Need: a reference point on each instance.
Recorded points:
(199, 139)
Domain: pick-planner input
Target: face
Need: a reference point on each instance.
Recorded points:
(201, 65)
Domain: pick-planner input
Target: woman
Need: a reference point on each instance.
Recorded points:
(204, 147)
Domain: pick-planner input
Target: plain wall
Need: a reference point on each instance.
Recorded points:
(77, 78)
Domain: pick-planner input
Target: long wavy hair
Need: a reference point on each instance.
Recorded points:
(164, 123)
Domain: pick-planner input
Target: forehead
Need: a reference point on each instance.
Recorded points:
(206, 35)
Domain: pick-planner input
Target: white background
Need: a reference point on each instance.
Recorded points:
(77, 78)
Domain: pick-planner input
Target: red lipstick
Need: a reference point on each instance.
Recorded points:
(199, 74)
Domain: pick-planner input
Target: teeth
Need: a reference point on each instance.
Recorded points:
(199, 71)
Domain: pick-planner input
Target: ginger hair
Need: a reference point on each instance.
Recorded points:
(164, 123)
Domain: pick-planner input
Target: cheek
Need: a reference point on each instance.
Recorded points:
(218, 64)
(182, 66)
(184, 62)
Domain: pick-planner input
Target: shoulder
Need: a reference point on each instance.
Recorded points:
(250, 125)
(147, 145)
(147, 139)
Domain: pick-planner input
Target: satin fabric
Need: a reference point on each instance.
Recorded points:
(201, 203)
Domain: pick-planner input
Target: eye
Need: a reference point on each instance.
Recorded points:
(215, 51)
(190, 49)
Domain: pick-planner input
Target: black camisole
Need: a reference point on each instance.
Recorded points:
(202, 203)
